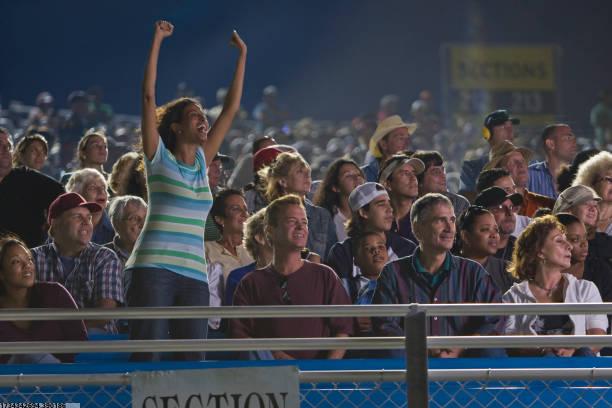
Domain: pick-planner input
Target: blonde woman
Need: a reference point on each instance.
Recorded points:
(596, 173)
(290, 174)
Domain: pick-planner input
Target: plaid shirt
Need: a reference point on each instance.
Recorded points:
(462, 281)
(97, 275)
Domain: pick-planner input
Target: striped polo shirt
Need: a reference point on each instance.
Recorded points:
(179, 202)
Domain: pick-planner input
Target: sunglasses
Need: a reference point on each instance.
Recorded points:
(285, 297)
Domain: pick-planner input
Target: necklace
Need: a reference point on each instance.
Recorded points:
(549, 291)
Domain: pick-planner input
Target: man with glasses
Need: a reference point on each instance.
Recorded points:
(559, 144)
(291, 280)
(433, 179)
(25, 195)
(501, 205)
(91, 273)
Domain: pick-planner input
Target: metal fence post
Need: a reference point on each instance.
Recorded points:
(415, 327)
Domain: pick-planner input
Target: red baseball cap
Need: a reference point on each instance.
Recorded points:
(267, 155)
(68, 201)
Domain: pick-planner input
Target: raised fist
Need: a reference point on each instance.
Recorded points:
(163, 29)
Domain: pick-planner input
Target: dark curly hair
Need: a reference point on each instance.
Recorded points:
(170, 113)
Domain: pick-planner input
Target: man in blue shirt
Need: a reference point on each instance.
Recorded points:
(559, 144)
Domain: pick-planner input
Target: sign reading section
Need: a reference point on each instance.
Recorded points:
(252, 387)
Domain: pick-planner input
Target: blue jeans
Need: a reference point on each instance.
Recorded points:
(156, 287)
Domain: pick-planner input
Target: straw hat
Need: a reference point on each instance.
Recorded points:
(385, 127)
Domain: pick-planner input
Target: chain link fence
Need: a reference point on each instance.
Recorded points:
(443, 394)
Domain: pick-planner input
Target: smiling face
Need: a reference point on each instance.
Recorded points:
(586, 212)
(556, 251)
(193, 127)
(131, 223)
(73, 228)
(577, 237)
(483, 238)
(291, 233)
(96, 190)
(603, 186)
(236, 213)
(17, 268)
(436, 232)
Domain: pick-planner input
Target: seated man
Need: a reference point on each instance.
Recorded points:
(433, 275)
(290, 280)
(372, 212)
(91, 273)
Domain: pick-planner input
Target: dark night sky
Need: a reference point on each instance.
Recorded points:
(330, 59)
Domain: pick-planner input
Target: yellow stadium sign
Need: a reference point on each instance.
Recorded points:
(502, 68)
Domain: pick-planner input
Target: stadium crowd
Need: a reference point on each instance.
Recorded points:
(392, 219)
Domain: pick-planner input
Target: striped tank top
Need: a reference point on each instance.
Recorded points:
(179, 201)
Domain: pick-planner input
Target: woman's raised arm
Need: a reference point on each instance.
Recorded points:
(150, 136)
(231, 105)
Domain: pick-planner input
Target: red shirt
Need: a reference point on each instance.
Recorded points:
(312, 284)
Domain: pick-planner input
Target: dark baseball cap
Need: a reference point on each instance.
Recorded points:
(499, 117)
(494, 196)
(68, 201)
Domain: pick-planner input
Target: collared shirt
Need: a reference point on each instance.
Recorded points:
(103, 232)
(465, 281)
(540, 180)
(121, 253)
(435, 278)
(371, 169)
(97, 275)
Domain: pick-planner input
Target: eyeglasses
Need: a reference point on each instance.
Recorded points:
(283, 281)
(134, 219)
(91, 189)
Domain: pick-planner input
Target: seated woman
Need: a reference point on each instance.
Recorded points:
(91, 153)
(31, 151)
(18, 291)
(477, 239)
(91, 184)
(229, 212)
(540, 256)
(340, 180)
(290, 174)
